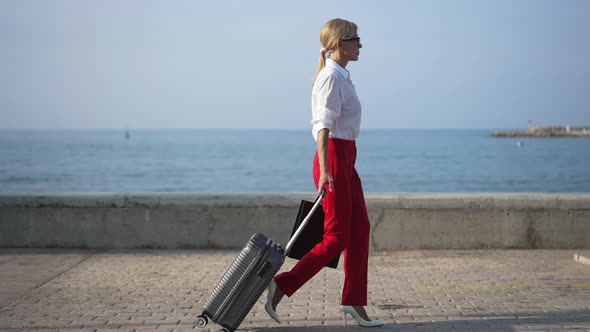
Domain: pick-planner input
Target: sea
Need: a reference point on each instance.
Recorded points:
(215, 161)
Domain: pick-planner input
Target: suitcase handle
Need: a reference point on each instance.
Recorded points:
(315, 206)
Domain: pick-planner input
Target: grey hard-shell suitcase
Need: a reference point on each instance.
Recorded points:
(247, 278)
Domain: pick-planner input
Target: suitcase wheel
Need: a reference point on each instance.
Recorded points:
(202, 321)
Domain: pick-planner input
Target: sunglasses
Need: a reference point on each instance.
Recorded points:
(357, 39)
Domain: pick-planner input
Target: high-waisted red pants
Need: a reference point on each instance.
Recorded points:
(346, 228)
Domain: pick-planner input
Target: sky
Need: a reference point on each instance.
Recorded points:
(249, 64)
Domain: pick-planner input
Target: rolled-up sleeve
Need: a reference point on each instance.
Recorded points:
(326, 103)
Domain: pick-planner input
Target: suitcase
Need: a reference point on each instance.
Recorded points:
(247, 278)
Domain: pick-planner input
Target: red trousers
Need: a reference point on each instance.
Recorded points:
(346, 228)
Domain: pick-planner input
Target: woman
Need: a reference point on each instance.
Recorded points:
(336, 116)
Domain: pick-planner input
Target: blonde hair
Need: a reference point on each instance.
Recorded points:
(330, 33)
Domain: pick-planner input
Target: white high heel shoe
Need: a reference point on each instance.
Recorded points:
(272, 287)
(347, 309)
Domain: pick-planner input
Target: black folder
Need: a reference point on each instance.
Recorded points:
(311, 235)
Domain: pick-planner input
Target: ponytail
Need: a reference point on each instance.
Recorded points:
(321, 62)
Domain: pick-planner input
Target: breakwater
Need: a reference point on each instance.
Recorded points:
(546, 131)
(399, 221)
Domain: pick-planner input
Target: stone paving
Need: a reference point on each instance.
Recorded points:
(471, 290)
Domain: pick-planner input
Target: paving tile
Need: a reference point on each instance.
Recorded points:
(143, 291)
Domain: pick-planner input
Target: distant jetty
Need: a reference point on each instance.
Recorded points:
(546, 131)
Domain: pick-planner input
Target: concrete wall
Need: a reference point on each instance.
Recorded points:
(435, 221)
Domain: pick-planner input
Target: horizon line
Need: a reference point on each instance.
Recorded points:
(250, 128)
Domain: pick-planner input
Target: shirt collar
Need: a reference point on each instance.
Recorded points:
(334, 64)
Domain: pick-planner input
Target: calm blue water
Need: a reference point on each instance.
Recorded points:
(233, 161)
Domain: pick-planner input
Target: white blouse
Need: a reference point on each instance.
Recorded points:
(334, 103)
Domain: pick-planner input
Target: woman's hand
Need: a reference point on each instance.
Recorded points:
(325, 178)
